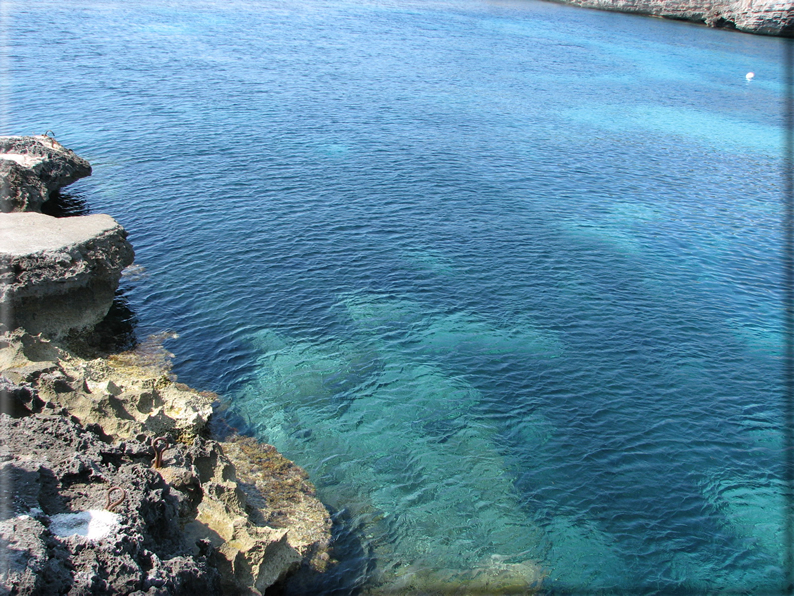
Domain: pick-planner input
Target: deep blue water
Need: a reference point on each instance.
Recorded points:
(504, 277)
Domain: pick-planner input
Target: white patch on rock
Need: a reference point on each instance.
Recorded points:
(93, 524)
(24, 159)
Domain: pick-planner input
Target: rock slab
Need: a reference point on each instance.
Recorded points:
(34, 167)
(59, 275)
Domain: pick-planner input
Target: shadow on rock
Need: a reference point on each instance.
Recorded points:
(354, 565)
(114, 334)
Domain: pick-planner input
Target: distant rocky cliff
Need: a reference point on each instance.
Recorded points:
(768, 17)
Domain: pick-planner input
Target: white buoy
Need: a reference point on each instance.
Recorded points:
(749, 76)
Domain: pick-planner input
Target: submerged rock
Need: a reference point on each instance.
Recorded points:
(494, 577)
(34, 167)
(768, 17)
(59, 275)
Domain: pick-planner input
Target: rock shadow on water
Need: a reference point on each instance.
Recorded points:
(64, 203)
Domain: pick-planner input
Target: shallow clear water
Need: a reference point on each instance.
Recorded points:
(504, 277)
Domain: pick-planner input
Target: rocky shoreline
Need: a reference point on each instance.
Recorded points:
(111, 481)
(764, 17)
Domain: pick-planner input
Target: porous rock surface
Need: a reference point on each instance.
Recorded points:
(59, 275)
(52, 466)
(237, 507)
(768, 17)
(32, 168)
(123, 398)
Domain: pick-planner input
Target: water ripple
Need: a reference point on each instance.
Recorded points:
(497, 276)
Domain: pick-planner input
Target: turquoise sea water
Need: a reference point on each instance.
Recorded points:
(504, 277)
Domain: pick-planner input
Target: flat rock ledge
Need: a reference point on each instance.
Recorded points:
(32, 168)
(766, 17)
(59, 275)
(218, 517)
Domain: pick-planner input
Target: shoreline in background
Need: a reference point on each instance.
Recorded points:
(764, 17)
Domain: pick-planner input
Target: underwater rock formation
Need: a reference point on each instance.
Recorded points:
(34, 167)
(767, 17)
(59, 274)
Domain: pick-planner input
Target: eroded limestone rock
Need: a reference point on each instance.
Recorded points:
(59, 275)
(282, 497)
(259, 498)
(124, 399)
(254, 510)
(34, 167)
